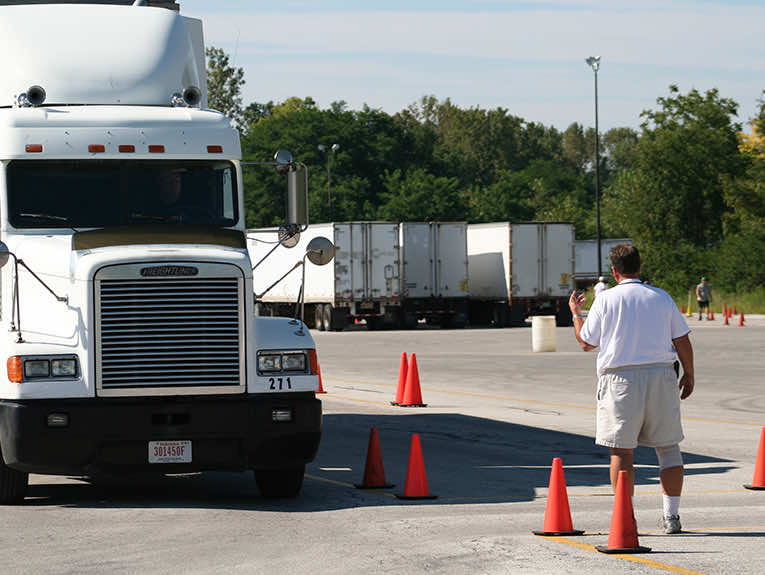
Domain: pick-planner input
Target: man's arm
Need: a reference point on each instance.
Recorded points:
(685, 354)
(575, 303)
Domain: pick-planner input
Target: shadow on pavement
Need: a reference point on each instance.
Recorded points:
(467, 460)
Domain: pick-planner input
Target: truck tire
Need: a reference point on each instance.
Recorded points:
(409, 320)
(13, 484)
(499, 315)
(563, 317)
(281, 483)
(318, 317)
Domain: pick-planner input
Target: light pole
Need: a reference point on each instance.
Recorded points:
(330, 151)
(594, 63)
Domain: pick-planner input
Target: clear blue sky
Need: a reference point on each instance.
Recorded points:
(527, 57)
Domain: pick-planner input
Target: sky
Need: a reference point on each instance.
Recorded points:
(525, 57)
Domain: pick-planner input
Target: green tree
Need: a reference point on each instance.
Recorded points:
(224, 85)
(670, 201)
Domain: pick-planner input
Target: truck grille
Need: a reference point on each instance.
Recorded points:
(169, 332)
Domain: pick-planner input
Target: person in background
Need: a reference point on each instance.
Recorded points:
(600, 286)
(703, 296)
(640, 333)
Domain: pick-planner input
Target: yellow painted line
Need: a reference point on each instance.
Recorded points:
(534, 401)
(348, 485)
(632, 558)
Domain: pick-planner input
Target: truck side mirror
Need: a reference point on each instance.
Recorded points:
(4, 254)
(320, 251)
(297, 196)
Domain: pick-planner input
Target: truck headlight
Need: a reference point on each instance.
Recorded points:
(270, 362)
(293, 361)
(63, 367)
(36, 368)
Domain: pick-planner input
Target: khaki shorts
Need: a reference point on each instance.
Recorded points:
(639, 405)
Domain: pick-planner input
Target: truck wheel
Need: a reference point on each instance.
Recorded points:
(563, 317)
(283, 483)
(499, 315)
(409, 320)
(460, 320)
(318, 317)
(13, 484)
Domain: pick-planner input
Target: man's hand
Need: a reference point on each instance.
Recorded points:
(576, 301)
(686, 384)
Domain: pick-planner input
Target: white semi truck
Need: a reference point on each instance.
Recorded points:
(130, 344)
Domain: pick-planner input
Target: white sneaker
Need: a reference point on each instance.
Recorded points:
(671, 524)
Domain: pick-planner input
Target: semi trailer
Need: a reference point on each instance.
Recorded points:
(520, 269)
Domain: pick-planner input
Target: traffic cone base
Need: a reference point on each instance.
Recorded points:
(755, 487)
(374, 472)
(400, 496)
(614, 550)
(557, 513)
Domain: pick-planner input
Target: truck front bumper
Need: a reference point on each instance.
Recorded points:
(112, 434)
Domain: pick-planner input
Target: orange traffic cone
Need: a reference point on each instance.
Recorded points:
(725, 320)
(402, 370)
(758, 482)
(321, 386)
(725, 310)
(741, 320)
(557, 512)
(622, 536)
(735, 310)
(374, 473)
(682, 309)
(412, 393)
(416, 486)
(711, 314)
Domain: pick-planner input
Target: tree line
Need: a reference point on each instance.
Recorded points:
(688, 186)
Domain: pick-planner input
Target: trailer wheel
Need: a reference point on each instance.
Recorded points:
(409, 320)
(318, 317)
(280, 483)
(13, 484)
(499, 315)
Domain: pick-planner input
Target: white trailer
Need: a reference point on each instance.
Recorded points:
(587, 255)
(434, 272)
(519, 269)
(362, 283)
(129, 340)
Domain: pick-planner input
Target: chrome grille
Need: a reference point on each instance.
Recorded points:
(170, 332)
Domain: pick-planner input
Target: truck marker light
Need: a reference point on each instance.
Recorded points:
(96, 148)
(157, 149)
(58, 420)
(215, 149)
(15, 373)
(314, 361)
(127, 149)
(34, 148)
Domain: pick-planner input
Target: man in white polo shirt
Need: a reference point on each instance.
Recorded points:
(640, 333)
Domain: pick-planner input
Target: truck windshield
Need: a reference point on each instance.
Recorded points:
(97, 194)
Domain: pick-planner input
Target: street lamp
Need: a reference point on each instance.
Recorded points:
(330, 151)
(594, 63)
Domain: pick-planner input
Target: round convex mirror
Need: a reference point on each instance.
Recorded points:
(282, 157)
(288, 238)
(4, 254)
(320, 251)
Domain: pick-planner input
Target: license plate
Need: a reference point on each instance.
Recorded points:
(178, 451)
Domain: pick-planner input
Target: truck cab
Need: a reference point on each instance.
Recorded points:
(130, 342)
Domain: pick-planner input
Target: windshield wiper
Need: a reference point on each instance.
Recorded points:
(45, 217)
(145, 218)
